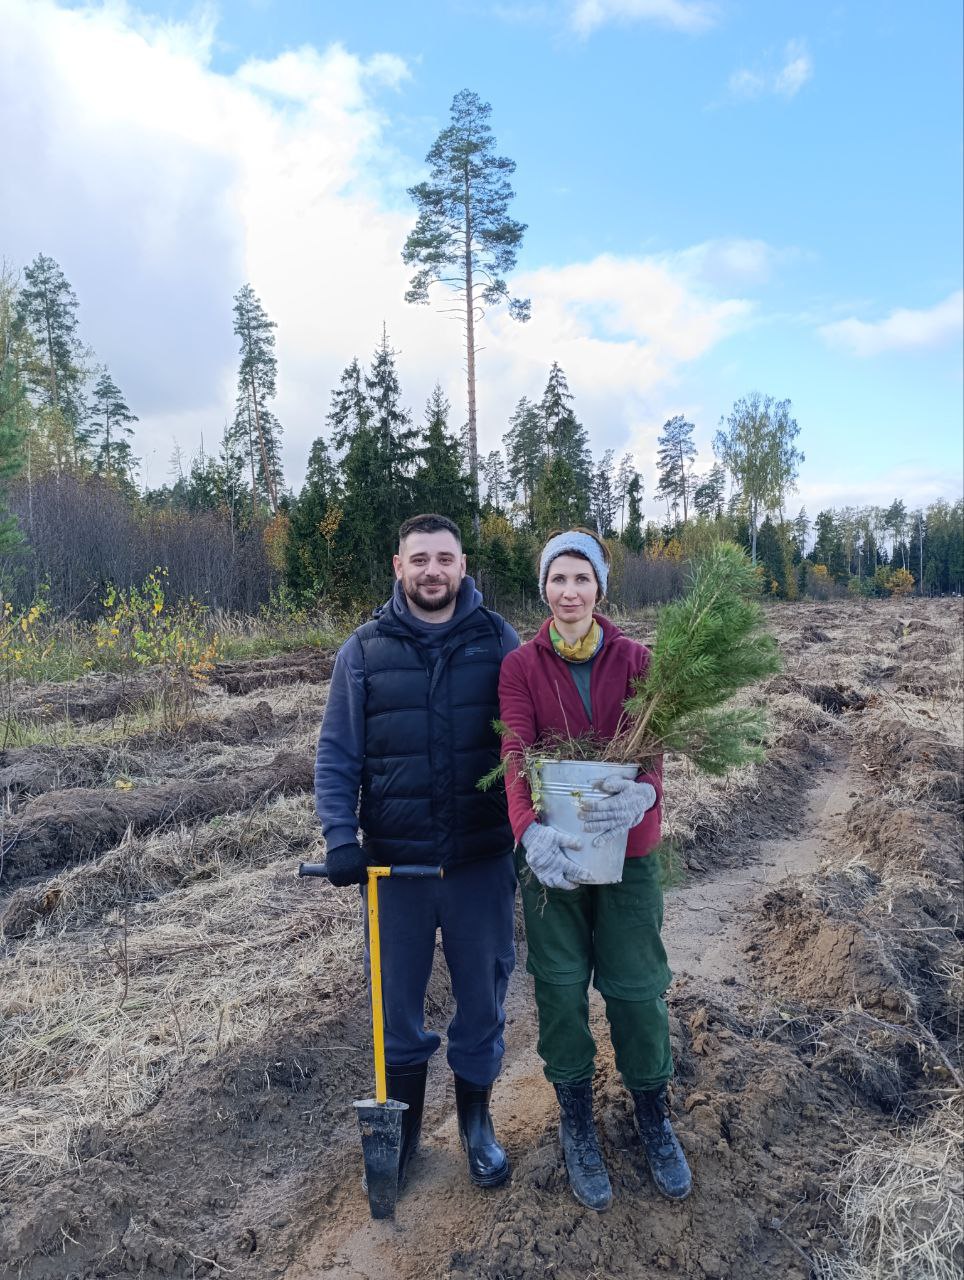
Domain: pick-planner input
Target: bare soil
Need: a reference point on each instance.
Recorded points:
(185, 1023)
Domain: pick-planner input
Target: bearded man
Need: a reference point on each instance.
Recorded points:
(406, 736)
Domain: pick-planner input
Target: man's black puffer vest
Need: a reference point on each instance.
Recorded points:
(428, 740)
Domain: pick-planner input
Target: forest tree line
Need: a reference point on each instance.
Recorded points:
(232, 534)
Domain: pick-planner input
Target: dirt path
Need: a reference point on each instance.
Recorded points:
(440, 1212)
(704, 923)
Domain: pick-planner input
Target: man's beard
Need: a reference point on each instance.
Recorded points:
(432, 604)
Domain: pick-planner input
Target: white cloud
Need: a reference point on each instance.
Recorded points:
(684, 15)
(916, 486)
(903, 330)
(784, 81)
(161, 186)
(733, 263)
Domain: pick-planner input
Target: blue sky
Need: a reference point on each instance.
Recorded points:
(721, 197)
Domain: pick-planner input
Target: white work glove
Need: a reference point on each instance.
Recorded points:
(622, 807)
(545, 849)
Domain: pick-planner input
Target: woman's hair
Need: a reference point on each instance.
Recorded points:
(580, 555)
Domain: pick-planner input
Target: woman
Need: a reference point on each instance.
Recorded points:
(572, 680)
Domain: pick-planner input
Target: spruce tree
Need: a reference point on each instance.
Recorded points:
(525, 456)
(495, 481)
(624, 474)
(674, 463)
(349, 412)
(464, 237)
(110, 420)
(395, 435)
(603, 496)
(632, 534)
(256, 427)
(314, 521)
(565, 436)
(440, 483)
(559, 503)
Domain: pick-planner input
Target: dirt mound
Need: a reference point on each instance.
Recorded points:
(140, 870)
(833, 698)
(901, 747)
(29, 771)
(308, 666)
(924, 680)
(250, 724)
(924, 648)
(920, 839)
(70, 826)
(92, 698)
(824, 961)
(915, 625)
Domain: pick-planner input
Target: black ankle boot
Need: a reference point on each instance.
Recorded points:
(577, 1133)
(488, 1163)
(667, 1163)
(407, 1084)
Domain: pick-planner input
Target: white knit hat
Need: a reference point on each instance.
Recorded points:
(573, 540)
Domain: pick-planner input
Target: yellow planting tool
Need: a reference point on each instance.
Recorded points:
(379, 1118)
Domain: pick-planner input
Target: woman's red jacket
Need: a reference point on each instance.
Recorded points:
(538, 696)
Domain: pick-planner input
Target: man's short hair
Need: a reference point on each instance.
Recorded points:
(429, 523)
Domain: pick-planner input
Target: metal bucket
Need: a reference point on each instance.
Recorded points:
(559, 787)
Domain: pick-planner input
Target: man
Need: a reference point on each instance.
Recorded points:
(408, 724)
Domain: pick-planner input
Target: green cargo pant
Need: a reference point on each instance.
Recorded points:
(608, 933)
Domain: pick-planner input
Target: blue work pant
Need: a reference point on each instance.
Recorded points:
(473, 907)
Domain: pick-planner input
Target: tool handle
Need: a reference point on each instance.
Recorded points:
(400, 873)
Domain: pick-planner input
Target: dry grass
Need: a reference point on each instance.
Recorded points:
(901, 1205)
(98, 1022)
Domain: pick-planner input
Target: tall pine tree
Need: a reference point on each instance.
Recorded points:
(257, 429)
(674, 463)
(46, 315)
(110, 428)
(464, 237)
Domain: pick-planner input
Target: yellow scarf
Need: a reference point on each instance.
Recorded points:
(583, 649)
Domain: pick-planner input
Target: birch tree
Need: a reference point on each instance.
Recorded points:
(757, 445)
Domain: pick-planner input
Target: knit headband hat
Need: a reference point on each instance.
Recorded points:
(573, 541)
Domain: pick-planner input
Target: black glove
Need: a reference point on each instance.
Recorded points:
(347, 865)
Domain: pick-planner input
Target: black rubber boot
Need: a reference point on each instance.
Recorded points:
(488, 1163)
(667, 1163)
(407, 1084)
(580, 1146)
